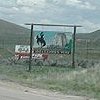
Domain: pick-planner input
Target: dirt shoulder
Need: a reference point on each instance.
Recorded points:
(16, 87)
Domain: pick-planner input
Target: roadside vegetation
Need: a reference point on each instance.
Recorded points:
(78, 81)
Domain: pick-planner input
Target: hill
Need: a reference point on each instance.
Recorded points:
(11, 33)
(92, 36)
(11, 28)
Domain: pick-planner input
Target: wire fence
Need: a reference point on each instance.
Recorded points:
(87, 53)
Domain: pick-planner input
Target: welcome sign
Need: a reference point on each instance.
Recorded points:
(52, 42)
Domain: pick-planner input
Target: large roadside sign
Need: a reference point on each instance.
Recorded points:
(46, 42)
(52, 42)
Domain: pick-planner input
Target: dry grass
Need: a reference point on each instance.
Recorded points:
(77, 81)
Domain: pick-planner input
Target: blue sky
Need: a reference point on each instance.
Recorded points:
(81, 12)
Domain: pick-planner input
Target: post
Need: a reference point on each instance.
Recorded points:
(31, 46)
(87, 41)
(73, 51)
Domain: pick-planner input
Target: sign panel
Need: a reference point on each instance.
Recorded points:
(23, 52)
(52, 42)
(25, 49)
(47, 42)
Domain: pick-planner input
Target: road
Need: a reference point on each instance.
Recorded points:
(9, 91)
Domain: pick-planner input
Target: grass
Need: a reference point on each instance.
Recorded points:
(79, 81)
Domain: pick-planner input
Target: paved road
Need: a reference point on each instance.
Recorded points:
(7, 93)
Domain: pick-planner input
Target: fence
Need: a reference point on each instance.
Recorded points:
(87, 53)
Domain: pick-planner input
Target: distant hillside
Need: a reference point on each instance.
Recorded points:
(11, 28)
(12, 34)
(92, 36)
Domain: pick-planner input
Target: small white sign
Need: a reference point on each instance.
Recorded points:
(22, 49)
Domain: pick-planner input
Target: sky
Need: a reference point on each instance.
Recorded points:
(78, 12)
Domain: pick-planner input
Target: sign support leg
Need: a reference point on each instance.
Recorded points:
(73, 51)
(31, 46)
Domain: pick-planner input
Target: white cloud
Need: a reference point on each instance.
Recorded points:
(87, 5)
(80, 4)
(31, 3)
(58, 2)
(88, 26)
(6, 3)
(26, 10)
(73, 2)
(46, 21)
(15, 8)
(30, 6)
(11, 10)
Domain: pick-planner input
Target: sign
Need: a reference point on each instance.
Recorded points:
(52, 42)
(22, 49)
(23, 52)
(47, 42)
